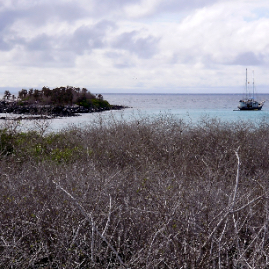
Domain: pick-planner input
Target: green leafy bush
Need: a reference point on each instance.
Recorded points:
(100, 103)
(6, 142)
(64, 155)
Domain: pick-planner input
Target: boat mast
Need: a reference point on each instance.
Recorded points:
(246, 83)
(253, 86)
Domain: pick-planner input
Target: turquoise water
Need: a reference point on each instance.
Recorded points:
(189, 107)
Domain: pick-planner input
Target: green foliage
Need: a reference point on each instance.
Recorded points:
(83, 101)
(92, 103)
(57, 147)
(100, 103)
(61, 96)
(55, 139)
(6, 142)
(64, 155)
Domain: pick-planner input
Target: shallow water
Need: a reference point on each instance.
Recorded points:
(189, 107)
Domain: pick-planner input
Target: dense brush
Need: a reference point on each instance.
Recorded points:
(149, 193)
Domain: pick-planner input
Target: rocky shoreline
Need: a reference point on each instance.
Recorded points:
(37, 111)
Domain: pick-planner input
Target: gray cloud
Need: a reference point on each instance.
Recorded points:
(44, 59)
(106, 7)
(4, 46)
(142, 47)
(49, 49)
(42, 12)
(7, 18)
(119, 60)
(108, 35)
(124, 64)
(82, 39)
(182, 5)
(89, 37)
(41, 42)
(248, 58)
(34, 15)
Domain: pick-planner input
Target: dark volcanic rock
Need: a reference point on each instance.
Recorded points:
(50, 110)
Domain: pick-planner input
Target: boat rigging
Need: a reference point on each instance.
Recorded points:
(248, 103)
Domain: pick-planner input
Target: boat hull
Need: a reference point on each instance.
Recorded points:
(250, 108)
(250, 104)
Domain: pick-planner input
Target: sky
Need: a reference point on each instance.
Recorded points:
(135, 46)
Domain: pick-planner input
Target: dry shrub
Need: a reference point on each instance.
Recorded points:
(146, 194)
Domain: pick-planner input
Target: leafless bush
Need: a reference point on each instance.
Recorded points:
(146, 194)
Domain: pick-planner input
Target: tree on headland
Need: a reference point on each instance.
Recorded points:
(68, 97)
(99, 96)
(63, 96)
(36, 94)
(7, 94)
(22, 94)
(31, 92)
(46, 91)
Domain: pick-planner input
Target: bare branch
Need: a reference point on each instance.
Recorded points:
(90, 219)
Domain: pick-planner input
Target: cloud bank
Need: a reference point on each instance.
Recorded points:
(134, 45)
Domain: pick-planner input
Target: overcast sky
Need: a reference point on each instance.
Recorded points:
(176, 46)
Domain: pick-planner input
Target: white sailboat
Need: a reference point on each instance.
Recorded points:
(248, 103)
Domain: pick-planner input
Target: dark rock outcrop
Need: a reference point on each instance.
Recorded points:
(50, 110)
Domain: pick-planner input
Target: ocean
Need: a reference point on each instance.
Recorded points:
(191, 108)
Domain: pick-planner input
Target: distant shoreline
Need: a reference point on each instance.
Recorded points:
(34, 111)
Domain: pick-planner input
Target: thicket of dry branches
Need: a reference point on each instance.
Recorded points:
(147, 194)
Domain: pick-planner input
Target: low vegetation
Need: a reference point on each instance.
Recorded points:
(60, 101)
(58, 96)
(147, 194)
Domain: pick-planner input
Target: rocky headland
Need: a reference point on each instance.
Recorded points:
(59, 102)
